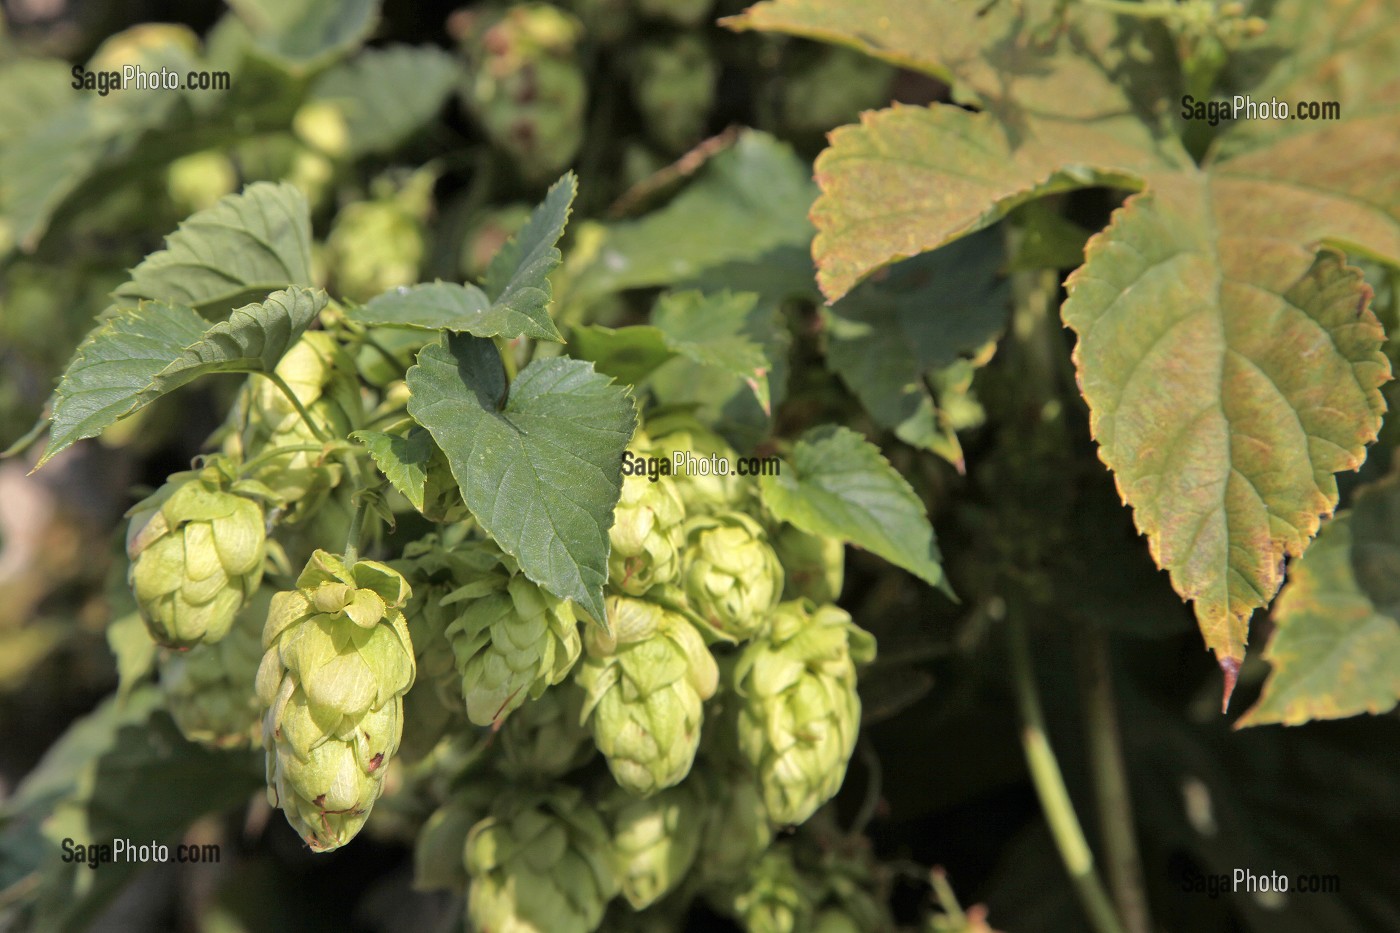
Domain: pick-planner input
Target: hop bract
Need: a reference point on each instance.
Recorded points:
(512, 640)
(209, 689)
(732, 576)
(776, 898)
(800, 711)
(196, 548)
(647, 536)
(814, 566)
(703, 494)
(338, 660)
(541, 863)
(657, 839)
(645, 685)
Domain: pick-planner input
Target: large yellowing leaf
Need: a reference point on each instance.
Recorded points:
(1335, 650)
(1230, 370)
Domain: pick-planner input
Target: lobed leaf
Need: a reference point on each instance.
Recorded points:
(248, 244)
(839, 485)
(458, 308)
(142, 353)
(539, 462)
(403, 459)
(517, 279)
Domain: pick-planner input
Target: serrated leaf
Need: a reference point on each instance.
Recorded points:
(458, 308)
(517, 279)
(540, 465)
(628, 354)
(1334, 652)
(386, 94)
(403, 459)
(142, 353)
(749, 200)
(838, 484)
(304, 32)
(887, 339)
(713, 330)
(247, 245)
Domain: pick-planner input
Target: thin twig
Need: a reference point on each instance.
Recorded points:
(687, 164)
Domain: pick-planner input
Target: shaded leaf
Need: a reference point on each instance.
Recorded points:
(386, 94)
(247, 245)
(539, 465)
(713, 330)
(403, 459)
(628, 354)
(839, 485)
(459, 308)
(142, 353)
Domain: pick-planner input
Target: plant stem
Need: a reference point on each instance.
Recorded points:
(1050, 786)
(273, 453)
(296, 403)
(352, 539)
(1123, 863)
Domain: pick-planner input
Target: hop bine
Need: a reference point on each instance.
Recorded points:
(197, 548)
(338, 660)
(799, 711)
(646, 683)
(512, 640)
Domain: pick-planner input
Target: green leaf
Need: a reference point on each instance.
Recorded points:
(627, 354)
(131, 644)
(305, 32)
(142, 353)
(245, 246)
(403, 459)
(458, 308)
(540, 465)
(517, 279)
(749, 200)
(1335, 651)
(386, 94)
(892, 340)
(839, 485)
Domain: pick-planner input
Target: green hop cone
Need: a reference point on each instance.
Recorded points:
(656, 839)
(836, 920)
(732, 576)
(776, 898)
(437, 852)
(197, 548)
(814, 565)
(374, 246)
(646, 684)
(209, 689)
(673, 83)
(647, 536)
(544, 739)
(512, 640)
(527, 88)
(338, 660)
(737, 828)
(542, 862)
(322, 377)
(800, 712)
(705, 494)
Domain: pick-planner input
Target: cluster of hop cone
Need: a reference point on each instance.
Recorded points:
(721, 692)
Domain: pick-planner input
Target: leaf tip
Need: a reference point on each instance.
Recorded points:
(1230, 668)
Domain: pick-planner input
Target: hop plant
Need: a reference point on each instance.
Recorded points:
(647, 536)
(338, 660)
(209, 689)
(322, 377)
(544, 739)
(542, 862)
(673, 83)
(732, 576)
(800, 711)
(379, 244)
(776, 898)
(512, 640)
(814, 566)
(737, 829)
(197, 548)
(645, 684)
(702, 494)
(657, 839)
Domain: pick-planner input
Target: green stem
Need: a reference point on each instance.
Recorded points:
(301, 409)
(1123, 863)
(1050, 786)
(272, 453)
(352, 539)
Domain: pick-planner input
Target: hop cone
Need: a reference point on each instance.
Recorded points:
(647, 536)
(338, 660)
(512, 640)
(209, 689)
(737, 828)
(732, 576)
(800, 711)
(702, 494)
(437, 852)
(657, 839)
(541, 863)
(322, 377)
(196, 550)
(543, 739)
(776, 898)
(645, 685)
(814, 565)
